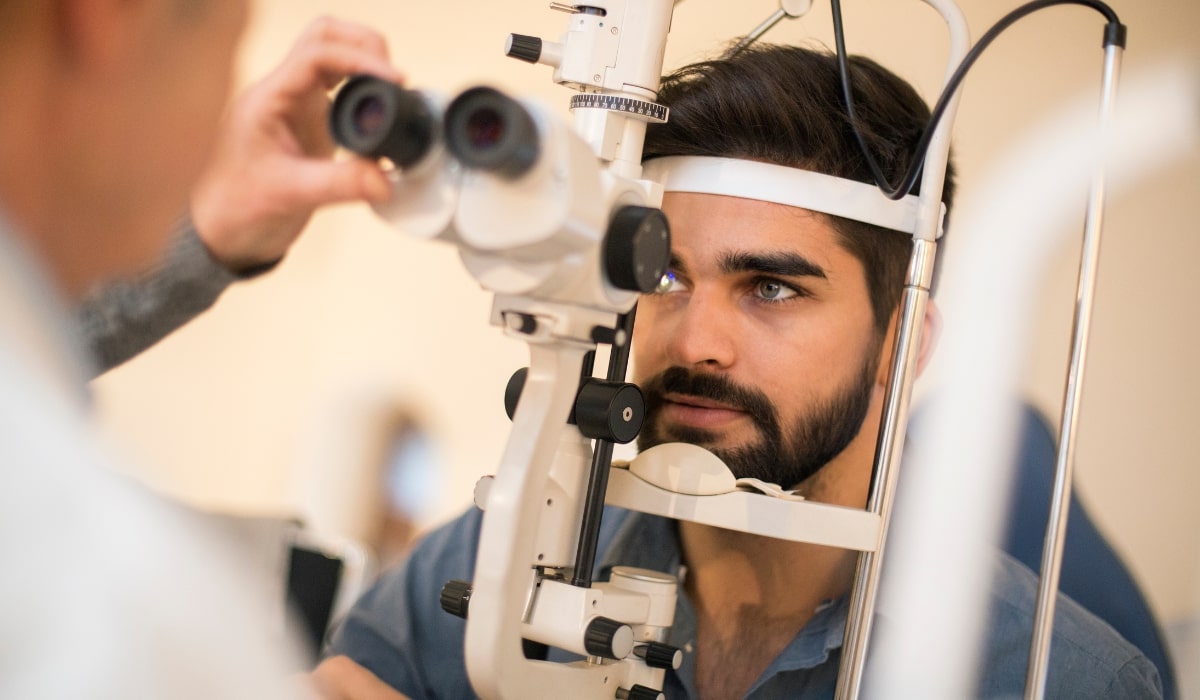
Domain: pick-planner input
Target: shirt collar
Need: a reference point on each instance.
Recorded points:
(814, 643)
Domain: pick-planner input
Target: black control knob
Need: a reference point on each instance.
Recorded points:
(512, 392)
(637, 249)
(611, 411)
(523, 47)
(658, 655)
(456, 597)
(608, 639)
(640, 692)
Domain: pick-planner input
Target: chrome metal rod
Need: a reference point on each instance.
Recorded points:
(894, 422)
(1052, 549)
(756, 33)
(888, 451)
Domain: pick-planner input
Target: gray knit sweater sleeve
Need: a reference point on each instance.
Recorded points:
(123, 318)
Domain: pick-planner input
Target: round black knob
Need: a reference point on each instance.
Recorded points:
(637, 248)
(456, 597)
(608, 639)
(379, 119)
(512, 392)
(611, 411)
(523, 47)
(490, 131)
(658, 655)
(640, 692)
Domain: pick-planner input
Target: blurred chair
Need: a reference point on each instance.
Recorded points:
(325, 576)
(1092, 573)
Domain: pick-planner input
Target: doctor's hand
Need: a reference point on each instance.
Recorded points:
(272, 166)
(339, 678)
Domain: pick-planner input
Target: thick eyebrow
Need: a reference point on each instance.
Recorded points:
(781, 264)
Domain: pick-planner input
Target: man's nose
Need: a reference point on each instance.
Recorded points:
(704, 332)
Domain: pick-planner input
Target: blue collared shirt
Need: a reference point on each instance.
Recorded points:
(399, 632)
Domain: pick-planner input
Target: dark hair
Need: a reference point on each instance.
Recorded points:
(784, 105)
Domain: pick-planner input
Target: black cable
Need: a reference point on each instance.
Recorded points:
(1114, 33)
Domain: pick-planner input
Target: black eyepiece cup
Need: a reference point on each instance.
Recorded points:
(487, 130)
(379, 119)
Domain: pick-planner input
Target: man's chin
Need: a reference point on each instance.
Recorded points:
(732, 437)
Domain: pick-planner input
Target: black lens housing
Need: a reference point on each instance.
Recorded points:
(487, 130)
(379, 119)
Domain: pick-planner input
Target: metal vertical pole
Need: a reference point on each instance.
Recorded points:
(1052, 549)
(894, 422)
(893, 426)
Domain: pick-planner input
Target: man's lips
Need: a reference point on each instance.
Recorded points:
(699, 412)
(697, 402)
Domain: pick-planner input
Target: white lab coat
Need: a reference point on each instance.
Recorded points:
(106, 590)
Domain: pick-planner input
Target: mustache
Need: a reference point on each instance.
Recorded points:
(714, 387)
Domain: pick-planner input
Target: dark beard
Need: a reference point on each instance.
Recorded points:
(814, 438)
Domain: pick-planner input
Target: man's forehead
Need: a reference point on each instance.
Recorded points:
(719, 227)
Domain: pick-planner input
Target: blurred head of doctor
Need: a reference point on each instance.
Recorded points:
(109, 110)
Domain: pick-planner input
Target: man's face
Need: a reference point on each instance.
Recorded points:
(763, 350)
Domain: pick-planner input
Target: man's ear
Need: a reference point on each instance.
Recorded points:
(931, 330)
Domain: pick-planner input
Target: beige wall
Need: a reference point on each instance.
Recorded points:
(273, 382)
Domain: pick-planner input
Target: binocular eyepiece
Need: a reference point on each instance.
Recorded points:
(487, 130)
(378, 119)
(482, 128)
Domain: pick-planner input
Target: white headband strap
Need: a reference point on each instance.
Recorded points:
(768, 182)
